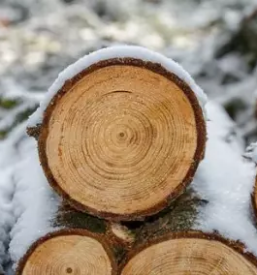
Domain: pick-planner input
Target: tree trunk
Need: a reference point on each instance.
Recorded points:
(121, 131)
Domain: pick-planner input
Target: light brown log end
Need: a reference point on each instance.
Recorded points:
(190, 253)
(68, 252)
(122, 139)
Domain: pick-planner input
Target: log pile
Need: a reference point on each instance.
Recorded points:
(120, 142)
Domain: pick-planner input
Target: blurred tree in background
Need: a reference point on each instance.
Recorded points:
(216, 41)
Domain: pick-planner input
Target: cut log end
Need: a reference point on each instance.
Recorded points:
(121, 234)
(122, 131)
(68, 252)
(190, 253)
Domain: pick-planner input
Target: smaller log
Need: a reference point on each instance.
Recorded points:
(189, 253)
(74, 251)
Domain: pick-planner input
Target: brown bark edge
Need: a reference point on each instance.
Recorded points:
(253, 202)
(235, 245)
(198, 156)
(65, 232)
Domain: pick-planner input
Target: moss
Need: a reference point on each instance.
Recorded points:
(8, 103)
(179, 216)
(70, 218)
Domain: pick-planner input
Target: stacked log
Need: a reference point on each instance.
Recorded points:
(120, 142)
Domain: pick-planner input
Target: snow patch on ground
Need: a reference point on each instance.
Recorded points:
(27, 202)
(225, 179)
(115, 52)
(34, 205)
(6, 218)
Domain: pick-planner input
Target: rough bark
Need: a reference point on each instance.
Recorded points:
(124, 97)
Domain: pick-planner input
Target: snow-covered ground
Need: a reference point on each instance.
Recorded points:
(210, 38)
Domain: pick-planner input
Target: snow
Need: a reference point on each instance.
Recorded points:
(6, 220)
(27, 203)
(251, 152)
(34, 205)
(225, 179)
(120, 51)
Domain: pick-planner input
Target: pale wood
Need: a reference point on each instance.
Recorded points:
(121, 234)
(190, 253)
(122, 141)
(68, 252)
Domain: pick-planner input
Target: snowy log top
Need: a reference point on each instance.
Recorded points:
(109, 53)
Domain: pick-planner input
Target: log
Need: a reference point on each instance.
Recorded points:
(189, 252)
(122, 131)
(74, 251)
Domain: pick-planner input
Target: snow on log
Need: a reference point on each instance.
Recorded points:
(124, 129)
(68, 252)
(225, 180)
(190, 253)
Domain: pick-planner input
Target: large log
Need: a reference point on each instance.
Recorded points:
(122, 131)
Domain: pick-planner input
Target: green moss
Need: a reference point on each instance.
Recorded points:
(70, 218)
(8, 103)
(180, 216)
